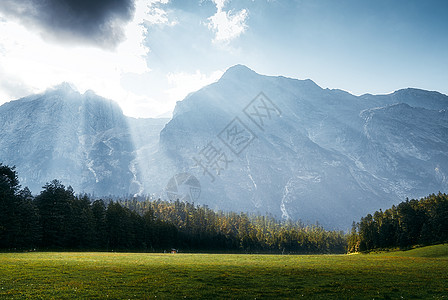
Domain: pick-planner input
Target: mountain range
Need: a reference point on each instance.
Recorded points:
(247, 142)
(83, 140)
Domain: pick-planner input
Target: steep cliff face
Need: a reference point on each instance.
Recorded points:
(83, 140)
(255, 143)
(307, 152)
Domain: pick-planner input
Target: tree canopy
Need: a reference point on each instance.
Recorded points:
(412, 222)
(59, 219)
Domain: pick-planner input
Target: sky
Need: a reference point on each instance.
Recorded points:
(148, 54)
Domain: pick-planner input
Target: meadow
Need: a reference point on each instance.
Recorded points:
(416, 274)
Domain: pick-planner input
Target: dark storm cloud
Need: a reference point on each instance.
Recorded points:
(98, 22)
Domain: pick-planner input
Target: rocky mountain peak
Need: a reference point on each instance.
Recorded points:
(255, 143)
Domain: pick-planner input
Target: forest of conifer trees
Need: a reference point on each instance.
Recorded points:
(410, 223)
(57, 219)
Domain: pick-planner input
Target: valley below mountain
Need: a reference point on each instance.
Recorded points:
(248, 142)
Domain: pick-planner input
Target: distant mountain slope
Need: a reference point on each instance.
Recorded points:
(317, 154)
(255, 143)
(83, 140)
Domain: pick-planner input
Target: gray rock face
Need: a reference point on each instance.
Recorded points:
(316, 154)
(255, 143)
(83, 140)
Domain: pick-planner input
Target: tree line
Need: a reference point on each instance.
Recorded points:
(412, 222)
(201, 228)
(57, 219)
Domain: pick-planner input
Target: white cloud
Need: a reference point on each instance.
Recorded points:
(182, 83)
(28, 64)
(33, 64)
(157, 15)
(226, 24)
(164, 90)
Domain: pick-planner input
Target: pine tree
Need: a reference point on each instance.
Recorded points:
(29, 235)
(9, 202)
(54, 204)
(100, 226)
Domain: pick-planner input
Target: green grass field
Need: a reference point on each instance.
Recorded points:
(416, 274)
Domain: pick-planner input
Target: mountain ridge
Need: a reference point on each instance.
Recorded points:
(322, 155)
(328, 128)
(77, 138)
